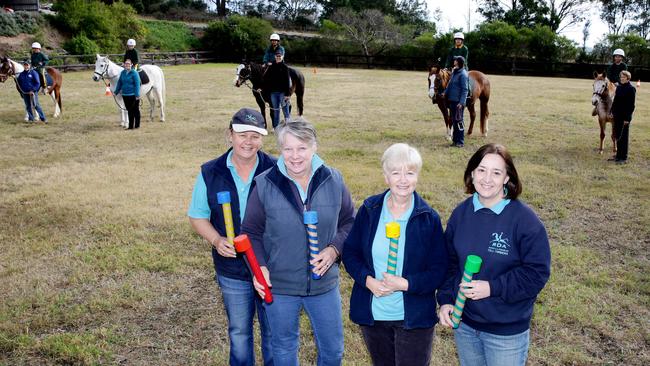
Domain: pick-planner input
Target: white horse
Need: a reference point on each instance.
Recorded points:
(106, 69)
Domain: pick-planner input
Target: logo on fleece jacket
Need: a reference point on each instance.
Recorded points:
(499, 244)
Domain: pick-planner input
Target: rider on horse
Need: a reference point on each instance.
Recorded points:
(131, 54)
(269, 54)
(614, 70)
(39, 60)
(459, 49)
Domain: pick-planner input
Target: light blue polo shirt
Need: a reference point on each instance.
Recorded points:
(199, 207)
(391, 307)
(497, 209)
(316, 162)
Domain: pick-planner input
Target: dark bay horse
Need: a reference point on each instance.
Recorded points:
(438, 80)
(603, 98)
(254, 72)
(10, 68)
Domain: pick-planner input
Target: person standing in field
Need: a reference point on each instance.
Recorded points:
(299, 182)
(29, 85)
(622, 110)
(234, 172)
(396, 311)
(277, 81)
(512, 242)
(456, 95)
(129, 85)
(458, 49)
(39, 61)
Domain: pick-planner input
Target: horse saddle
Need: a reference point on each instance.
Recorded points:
(144, 78)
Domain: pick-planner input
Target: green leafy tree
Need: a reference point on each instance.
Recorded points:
(237, 37)
(371, 30)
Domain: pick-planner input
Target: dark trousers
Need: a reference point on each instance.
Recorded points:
(622, 135)
(389, 344)
(458, 136)
(133, 108)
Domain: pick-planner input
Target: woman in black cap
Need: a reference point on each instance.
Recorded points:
(233, 172)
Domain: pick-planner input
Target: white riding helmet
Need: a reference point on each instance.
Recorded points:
(130, 42)
(618, 52)
(36, 45)
(274, 37)
(459, 35)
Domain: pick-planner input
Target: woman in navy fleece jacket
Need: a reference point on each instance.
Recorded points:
(513, 244)
(396, 313)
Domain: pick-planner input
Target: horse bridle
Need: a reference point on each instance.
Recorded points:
(601, 93)
(10, 73)
(104, 72)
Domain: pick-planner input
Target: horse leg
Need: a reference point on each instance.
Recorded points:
(602, 123)
(485, 114)
(614, 141)
(152, 104)
(262, 105)
(472, 116)
(445, 115)
(161, 104)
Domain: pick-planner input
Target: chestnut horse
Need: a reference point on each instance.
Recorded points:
(438, 80)
(603, 98)
(10, 68)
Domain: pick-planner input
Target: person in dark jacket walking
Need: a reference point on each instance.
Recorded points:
(234, 172)
(129, 85)
(512, 242)
(278, 82)
(456, 95)
(29, 84)
(299, 182)
(396, 312)
(131, 54)
(622, 110)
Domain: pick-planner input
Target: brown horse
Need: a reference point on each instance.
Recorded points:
(10, 68)
(438, 80)
(603, 98)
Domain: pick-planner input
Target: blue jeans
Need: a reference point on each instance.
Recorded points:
(456, 115)
(477, 348)
(31, 101)
(240, 301)
(324, 312)
(277, 102)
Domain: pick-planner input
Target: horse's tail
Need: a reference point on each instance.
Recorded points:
(163, 88)
(299, 82)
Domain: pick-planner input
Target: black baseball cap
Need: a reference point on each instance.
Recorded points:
(247, 119)
(26, 62)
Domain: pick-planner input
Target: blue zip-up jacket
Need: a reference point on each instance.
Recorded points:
(516, 262)
(425, 262)
(269, 53)
(29, 81)
(218, 178)
(128, 83)
(274, 223)
(457, 88)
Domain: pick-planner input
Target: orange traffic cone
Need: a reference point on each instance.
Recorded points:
(638, 84)
(108, 91)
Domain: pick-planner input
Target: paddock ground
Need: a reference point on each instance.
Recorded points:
(98, 264)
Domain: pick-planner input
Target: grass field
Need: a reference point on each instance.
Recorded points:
(98, 263)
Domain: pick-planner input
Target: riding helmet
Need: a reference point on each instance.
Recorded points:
(36, 45)
(274, 37)
(130, 42)
(618, 52)
(459, 35)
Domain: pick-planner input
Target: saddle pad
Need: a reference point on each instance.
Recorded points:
(144, 78)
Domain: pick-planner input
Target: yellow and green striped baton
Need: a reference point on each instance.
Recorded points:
(392, 233)
(472, 266)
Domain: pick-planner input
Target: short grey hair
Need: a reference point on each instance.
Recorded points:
(401, 155)
(299, 128)
(627, 74)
